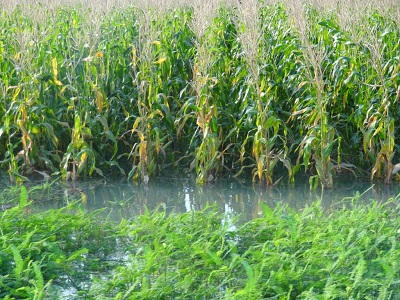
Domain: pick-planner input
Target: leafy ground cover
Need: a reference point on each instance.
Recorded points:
(348, 251)
(239, 87)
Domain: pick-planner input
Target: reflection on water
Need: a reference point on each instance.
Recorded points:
(125, 199)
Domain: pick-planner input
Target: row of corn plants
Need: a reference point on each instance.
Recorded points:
(342, 252)
(240, 88)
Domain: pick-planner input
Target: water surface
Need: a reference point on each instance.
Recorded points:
(121, 198)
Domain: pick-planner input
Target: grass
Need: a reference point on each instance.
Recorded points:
(346, 251)
(145, 89)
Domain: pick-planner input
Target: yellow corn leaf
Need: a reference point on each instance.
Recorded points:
(57, 82)
(99, 100)
(143, 152)
(346, 94)
(160, 61)
(214, 82)
(301, 84)
(134, 56)
(200, 121)
(35, 130)
(158, 142)
(377, 166)
(135, 125)
(157, 111)
(23, 112)
(259, 168)
(158, 43)
(141, 136)
(16, 93)
(301, 111)
(54, 67)
(378, 129)
(82, 161)
(83, 157)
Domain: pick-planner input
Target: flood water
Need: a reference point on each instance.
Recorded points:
(122, 199)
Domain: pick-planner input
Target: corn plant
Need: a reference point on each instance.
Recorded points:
(206, 160)
(224, 87)
(257, 54)
(75, 78)
(23, 123)
(148, 72)
(317, 144)
(379, 123)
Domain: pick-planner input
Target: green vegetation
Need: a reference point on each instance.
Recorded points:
(241, 87)
(349, 251)
(138, 90)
